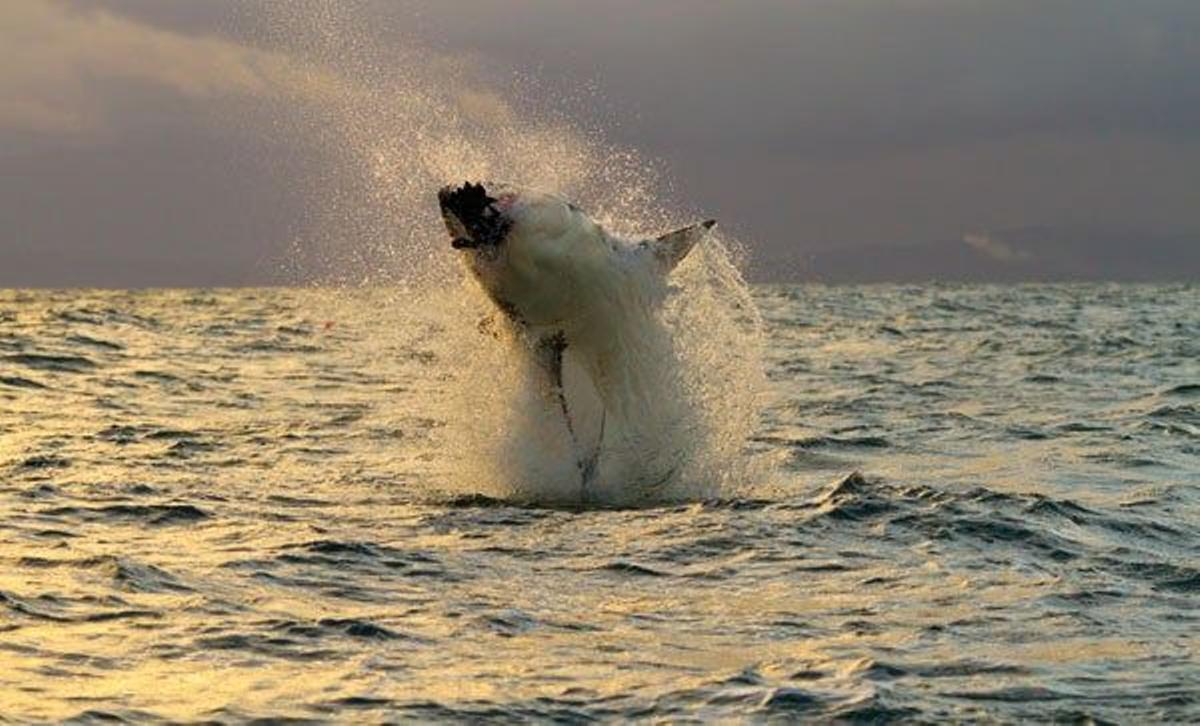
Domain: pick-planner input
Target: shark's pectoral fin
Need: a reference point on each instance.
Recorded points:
(548, 351)
(587, 465)
(670, 249)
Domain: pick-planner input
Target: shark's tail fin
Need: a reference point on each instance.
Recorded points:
(670, 249)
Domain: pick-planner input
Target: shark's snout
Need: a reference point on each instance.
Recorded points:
(472, 217)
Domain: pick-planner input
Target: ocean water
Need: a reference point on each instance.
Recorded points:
(970, 503)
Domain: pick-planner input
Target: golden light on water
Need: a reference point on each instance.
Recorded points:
(346, 502)
(217, 506)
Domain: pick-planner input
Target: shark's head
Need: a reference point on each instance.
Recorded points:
(540, 258)
(527, 248)
(490, 217)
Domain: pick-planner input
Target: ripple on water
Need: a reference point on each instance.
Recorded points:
(1021, 544)
(46, 461)
(19, 382)
(60, 609)
(149, 514)
(88, 341)
(53, 363)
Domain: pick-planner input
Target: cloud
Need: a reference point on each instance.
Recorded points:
(996, 249)
(58, 67)
(805, 127)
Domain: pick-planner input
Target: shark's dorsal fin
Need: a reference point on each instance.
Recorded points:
(670, 249)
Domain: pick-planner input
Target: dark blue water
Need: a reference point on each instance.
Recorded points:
(231, 505)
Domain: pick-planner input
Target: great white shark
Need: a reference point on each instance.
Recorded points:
(571, 293)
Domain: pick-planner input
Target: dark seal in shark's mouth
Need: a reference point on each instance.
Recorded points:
(472, 217)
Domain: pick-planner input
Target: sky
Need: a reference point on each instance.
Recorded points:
(141, 143)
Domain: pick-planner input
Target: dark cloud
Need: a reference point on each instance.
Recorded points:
(846, 79)
(808, 128)
(161, 205)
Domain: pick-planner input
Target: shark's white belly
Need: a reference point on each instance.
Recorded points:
(625, 383)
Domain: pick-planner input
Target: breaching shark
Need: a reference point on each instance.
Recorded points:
(571, 293)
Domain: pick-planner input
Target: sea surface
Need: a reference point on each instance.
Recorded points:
(983, 504)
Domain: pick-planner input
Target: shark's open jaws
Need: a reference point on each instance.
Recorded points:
(573, 295)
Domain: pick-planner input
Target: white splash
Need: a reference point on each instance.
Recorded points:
(406, 126)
